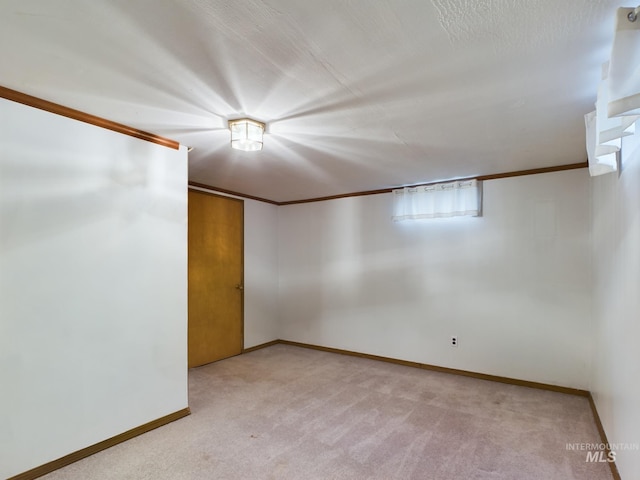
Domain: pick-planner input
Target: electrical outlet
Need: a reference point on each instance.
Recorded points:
(454, 341)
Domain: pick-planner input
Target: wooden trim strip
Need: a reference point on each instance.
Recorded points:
(454, 371)
(110, 442)
(517, 173)
(603, 436)
(261, 346)
(51, 107)
(533, 171)
(230, 192)
(344, 195)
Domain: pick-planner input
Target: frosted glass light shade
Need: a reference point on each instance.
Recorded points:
(246, 134)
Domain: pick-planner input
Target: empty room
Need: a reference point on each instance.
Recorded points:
(280, 239)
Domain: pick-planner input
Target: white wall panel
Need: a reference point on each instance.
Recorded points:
(260, 273)
(92, 285)
(616, 263)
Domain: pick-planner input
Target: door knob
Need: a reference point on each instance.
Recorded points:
(239, 286)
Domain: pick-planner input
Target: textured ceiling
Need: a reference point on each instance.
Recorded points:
(357, 95)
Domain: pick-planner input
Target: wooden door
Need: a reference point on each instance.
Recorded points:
(215, 277)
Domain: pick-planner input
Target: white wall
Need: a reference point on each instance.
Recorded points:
(513, 285)
(261, 323)
(93, 300)
(616, 263)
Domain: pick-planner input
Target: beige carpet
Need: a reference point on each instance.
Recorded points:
(291, 413)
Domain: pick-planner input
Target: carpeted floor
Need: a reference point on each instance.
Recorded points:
(285, 412)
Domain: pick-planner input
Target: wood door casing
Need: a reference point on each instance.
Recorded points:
(215, 277)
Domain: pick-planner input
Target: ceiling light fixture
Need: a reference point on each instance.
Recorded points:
(246, 134)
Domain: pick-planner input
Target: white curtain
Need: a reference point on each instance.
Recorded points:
(618, 101)
(452, 199)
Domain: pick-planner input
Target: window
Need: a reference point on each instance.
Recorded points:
(452, 199)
